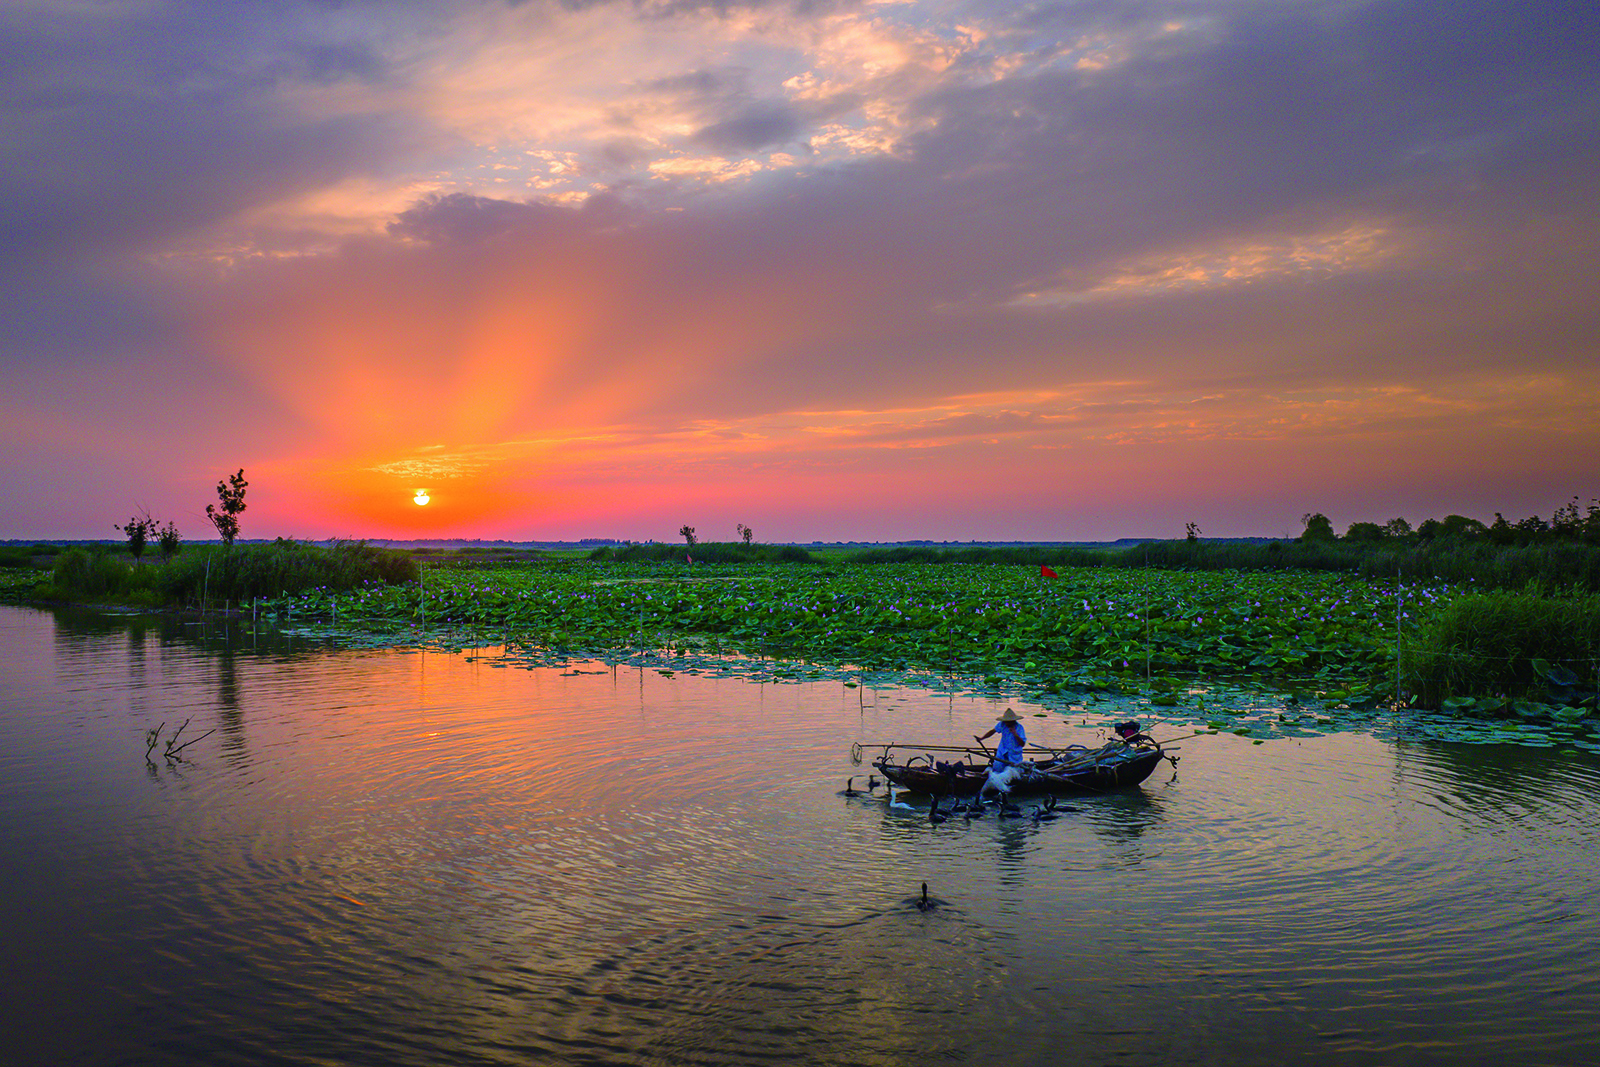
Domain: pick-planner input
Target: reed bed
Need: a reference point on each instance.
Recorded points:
(200, 576)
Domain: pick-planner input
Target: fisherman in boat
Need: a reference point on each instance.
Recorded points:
(1013, 738)
(1006, 766)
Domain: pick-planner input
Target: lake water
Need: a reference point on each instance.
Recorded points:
(403, 857)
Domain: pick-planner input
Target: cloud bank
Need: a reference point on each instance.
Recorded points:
(836, 270)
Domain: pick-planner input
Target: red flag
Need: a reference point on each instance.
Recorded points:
(1046, 572)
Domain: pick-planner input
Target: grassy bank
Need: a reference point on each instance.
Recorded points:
(1478, 561)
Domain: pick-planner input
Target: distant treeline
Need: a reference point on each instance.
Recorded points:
(1569, 524)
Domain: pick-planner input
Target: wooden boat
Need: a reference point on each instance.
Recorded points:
(1119, 764)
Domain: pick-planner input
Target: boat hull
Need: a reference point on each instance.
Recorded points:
(1126, 772)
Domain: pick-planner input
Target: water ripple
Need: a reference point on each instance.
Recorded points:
(418, 858)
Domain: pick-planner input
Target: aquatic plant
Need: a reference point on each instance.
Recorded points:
(1554, 565)
(1272, 653)
(704, 552)
(1090, 630)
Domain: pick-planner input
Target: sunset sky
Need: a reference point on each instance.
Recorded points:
(835, 270)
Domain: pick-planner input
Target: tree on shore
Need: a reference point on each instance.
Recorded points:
(138, 531)
(687, 533)
(1452, 526)
(745, 533)
(169, 541)
(230, 494)
(1318, 528)
(1364, 533)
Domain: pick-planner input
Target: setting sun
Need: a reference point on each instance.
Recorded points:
(421, 499)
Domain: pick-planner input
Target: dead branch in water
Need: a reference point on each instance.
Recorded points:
(173, 752)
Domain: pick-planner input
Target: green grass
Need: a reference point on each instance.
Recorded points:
(1027, 555)
(476, 556)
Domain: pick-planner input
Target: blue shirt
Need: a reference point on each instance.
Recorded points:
(1012, 738)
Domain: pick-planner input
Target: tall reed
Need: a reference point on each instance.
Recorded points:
(219, 573)
(1486, 645)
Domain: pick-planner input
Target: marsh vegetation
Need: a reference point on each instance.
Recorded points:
(212, 575)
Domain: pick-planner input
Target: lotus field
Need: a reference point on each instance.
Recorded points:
(1100, 629)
